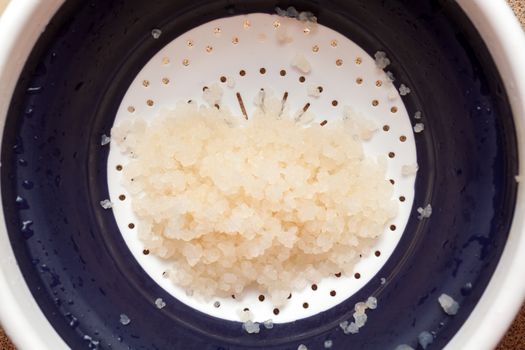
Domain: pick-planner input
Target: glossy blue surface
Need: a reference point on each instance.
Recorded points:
(81, 272)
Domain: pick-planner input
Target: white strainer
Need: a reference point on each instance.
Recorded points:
(244, 54)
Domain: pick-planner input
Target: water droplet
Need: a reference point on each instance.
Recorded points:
(34, 90)
(26, 230)
(21, 203)
(18, 147)
(29, 111)
(22, 162)
(466, 289)
(73, 323)
(93, 344)
(27, 184)
(156, 33)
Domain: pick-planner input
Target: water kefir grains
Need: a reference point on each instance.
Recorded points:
(275, 203)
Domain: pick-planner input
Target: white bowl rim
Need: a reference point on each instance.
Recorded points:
(29, 328)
